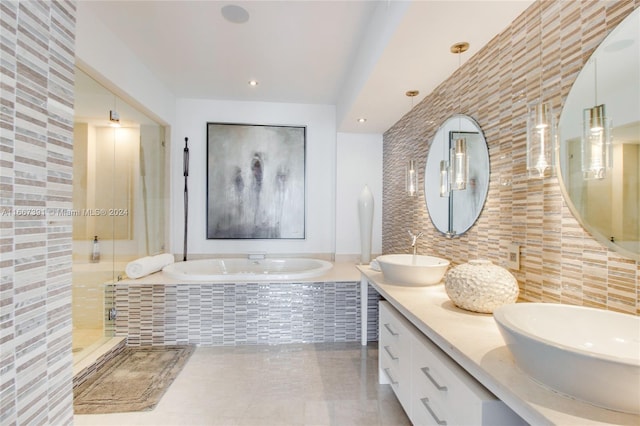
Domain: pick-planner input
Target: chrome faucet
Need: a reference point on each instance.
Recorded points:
(414, 241)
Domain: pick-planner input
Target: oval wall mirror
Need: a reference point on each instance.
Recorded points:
(454, 211)
(606, 203)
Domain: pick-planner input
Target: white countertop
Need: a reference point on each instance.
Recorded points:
(474, 341)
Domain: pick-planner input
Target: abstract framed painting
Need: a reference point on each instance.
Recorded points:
(255, 181)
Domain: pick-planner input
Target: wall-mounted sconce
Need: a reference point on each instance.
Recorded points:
(412, 179)
(596, 143)
(114, 118)
(540, 141)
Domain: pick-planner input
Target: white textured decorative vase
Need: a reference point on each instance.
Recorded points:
(480, 286)
(365, 214)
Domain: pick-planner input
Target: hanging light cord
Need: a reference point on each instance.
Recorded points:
(595, 78)
(540, 50)
(459, 97)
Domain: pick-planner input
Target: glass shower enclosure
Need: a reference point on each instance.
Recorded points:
(119, 203)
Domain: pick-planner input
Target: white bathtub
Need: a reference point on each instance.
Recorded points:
(241, 269)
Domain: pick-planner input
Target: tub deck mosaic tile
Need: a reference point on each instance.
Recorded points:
(222, 314)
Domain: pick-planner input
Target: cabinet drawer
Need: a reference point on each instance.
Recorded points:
(390, 374)
(395, 334)
(440, 389)
(425, 411)
(394, 353)
(393, 326)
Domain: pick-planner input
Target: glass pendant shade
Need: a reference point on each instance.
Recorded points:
(540, 141)
(412, 179)
(459, 165)
(596, 143)
(444, 178)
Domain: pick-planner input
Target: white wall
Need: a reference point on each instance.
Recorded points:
(108, 60)
(380, 29)
(359, 163)
(192, 116)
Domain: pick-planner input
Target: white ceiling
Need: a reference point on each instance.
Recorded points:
(361, 56)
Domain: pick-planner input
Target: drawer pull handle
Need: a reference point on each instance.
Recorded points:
(388, 349)
(438, 386)
(393, 333)
(425, 402)
(393, 381)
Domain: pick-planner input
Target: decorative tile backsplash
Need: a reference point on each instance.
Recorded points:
(218, 314)
(560, 261)
(36, 137)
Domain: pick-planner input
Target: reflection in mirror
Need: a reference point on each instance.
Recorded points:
(453, 212)
(600, 182)
(119, 176)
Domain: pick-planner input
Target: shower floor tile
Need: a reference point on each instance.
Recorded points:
(306, 384)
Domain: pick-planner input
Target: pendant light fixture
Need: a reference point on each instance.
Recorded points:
(596, 138)
(412, 179)
(444, 178)
(540, 129)
(540, 141)
(411, 174)
(458, 159)
(459, 165)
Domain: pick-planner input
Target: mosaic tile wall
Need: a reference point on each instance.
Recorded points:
(242, 313)
(560, 262)
(36, 137)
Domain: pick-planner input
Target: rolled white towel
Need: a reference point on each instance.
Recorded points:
(148, 265)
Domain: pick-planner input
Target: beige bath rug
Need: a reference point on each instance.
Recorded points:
(134, 380)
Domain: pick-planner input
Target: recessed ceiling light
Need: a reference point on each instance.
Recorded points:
(361, 120)
(253, 82)
(235, 14)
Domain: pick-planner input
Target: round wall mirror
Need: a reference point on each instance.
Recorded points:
(456, 187)
(605, 98)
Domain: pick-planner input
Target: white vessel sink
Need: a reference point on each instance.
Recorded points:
(413, 270)
(586, 353)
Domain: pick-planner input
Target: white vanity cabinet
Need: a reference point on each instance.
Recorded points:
(432, 388)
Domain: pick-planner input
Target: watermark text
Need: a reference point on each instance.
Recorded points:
(37, 211)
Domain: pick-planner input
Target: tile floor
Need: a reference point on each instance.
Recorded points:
(310, 384)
